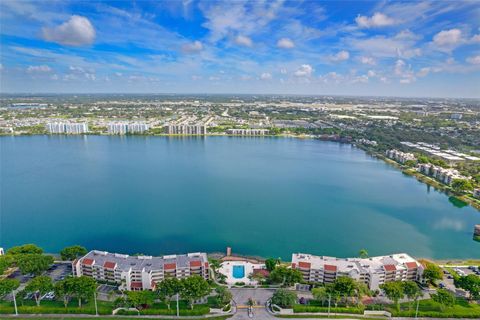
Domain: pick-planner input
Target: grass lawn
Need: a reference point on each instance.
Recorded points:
(101, 318)
(104, 308)
(430, 308)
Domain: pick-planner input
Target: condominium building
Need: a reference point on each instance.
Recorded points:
(125, 127)
(67, 127)
(399, 156)
(373, 271)
(184, 129)
(139, 272)
(443, 175)
(248, 132)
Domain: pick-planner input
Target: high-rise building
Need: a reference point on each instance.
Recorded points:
(125, 127)
(183, 129)
(67, 127)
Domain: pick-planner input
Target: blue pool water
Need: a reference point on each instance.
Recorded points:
(238, 272)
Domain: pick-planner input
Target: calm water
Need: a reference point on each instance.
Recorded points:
(262, 196)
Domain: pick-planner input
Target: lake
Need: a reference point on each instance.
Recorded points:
(261, 196)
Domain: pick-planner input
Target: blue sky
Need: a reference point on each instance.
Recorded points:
(396, 48)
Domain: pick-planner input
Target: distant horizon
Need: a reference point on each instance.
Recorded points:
(234, 94)
(418, 49)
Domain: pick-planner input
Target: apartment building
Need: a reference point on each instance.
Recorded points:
(373, 271)
(443, 175)
(248, 132)
(399, 156)
(67, 127)
(139, 272)
(185, 129)
(125, 127)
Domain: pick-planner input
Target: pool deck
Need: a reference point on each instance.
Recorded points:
(226, 268)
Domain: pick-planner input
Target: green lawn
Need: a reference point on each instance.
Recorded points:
(430, 308)
(104, 308)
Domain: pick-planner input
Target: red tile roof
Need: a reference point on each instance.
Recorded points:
(390, 267)
(329, 267)
(411, 265)
(109, 265)
(195, 264)
(88, 262)
(169, 266)
(206, 265)
(305, 265)
(263, 272)
(294, 265)
(136, 284)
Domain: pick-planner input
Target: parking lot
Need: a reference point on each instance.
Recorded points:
(59, 271)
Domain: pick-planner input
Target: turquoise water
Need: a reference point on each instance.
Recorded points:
(261, 196)
(238, 272)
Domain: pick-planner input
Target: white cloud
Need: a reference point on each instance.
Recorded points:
(473, 60)
(447, 40)
(266, 76)
(243, 41)
(196, 77)
(423, 72)
(283, 70)
(192, 47)
(475, 38)
(340, 56)
(54, 77)
(305, 70)
(41, 68)
(404, 72)
(381, 46)
(285, 43)
(77, 31)
(377, 20)
(368, 60)
(245, 77)
(371, 73)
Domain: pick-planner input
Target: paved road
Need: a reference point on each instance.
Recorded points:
(260, 296)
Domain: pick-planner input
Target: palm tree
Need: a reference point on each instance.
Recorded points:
(363, 253)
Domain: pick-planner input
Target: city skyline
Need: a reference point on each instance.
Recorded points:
(371, 48)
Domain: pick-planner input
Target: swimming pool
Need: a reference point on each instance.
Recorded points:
(238, 272)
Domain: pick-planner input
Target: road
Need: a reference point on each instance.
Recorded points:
(260, 296)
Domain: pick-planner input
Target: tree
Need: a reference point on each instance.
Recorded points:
(394, 291)
(320, 294)
(345, 286)
(363, 253)
(140, 298)
(84, 288)
(432, 272)
(471, 283)
(271, 263)
(411, 290)
(167, 289)
(33, 263)
(223, 297)
(5, 263)
(444, 297)
(8, 286)
(39, 286)
(25, 249)
(284, 298)
(462, 185)
(194, 287)
(65, 290)
(287, 277)
(73, 252)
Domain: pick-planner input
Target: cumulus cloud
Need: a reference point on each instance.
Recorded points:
(447, 40)
(192, 47)
(473, 60)
(42, 68)
(305, 70)
(423, 72)
(368, 60)
(77, 31)
(371, 73)
(243, 41)
(377, 20)
(404, 72)
(266, 76)
(285, 43)
(340, 56)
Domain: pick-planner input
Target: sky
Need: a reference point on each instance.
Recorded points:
(372, 48)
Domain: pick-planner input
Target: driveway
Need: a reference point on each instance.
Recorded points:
(260, 296)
